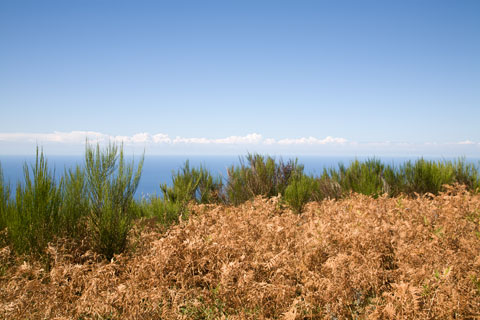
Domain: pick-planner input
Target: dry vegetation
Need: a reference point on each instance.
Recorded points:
(384, 258)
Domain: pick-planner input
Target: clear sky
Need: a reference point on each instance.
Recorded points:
(320, 77)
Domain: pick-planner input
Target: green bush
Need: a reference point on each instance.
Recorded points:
(260, 175)
(188, 184)
(75, 205)
(326, 188)
(425, 176)
(300, 191)
(4, 200)
(111, 185)
(192, 184)
(209, 188)
(164, 211)
(98, 202)
(35, 219)
(466, 174)
(364, 177)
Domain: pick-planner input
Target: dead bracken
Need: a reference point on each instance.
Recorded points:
(359, 257)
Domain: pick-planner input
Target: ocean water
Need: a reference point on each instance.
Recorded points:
(158, 169)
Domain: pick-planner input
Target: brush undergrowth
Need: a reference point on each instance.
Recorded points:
(355, 258)
(95, 202)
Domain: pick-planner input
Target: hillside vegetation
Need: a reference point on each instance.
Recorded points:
(355, 258)
(367, 240)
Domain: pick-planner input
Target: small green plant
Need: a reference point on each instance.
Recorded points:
(35, 218)
(111, 185)
(476, 284)
(201, 309)
(236, 186)
(466, 174)
(192, 184)
(369, 177)
(259, 175)
(209, 188)
(75, 205)
(188, 184)
(327, 188)
(300, 191)
(164, 211)
(425, 176)
(4, 200)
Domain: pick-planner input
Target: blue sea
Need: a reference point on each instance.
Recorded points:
(158, 169)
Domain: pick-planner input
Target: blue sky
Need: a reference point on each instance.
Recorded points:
(193, 77)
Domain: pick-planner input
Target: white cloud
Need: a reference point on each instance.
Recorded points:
(161, 138)
(313, 141)
(248, 139)
(161, 143)
(79, 137)
(466, 142)
(191, 140)
(61, 137)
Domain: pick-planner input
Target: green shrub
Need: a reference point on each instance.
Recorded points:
(4, 200)
(75, 205)
(188, 184)
(111, 185)
(164, 211)
(209, 188)
(184, 185)
(236, 188)
(260, 175)
(192, 184)
(466, 174)
(425, 176)
(34, 219)
(365, 177)
(300, 191)
(326, 188)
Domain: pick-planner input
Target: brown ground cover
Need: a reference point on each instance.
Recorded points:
(385, 258)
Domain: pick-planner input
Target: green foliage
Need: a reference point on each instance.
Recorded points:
(374, 178)
(425, 176)
(209, 188)
(75, 205)
(35, 215)
(364, 177)
(466, 174)
(111, 185)
(4, 200)
(188, 184)
(326, 188)
(164, 211)
(192, 184)
(236, 188)
(261, 175)
(300, 191)
(98, 202)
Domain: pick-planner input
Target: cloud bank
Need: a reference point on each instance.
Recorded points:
(161, 143)
(79, 137)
